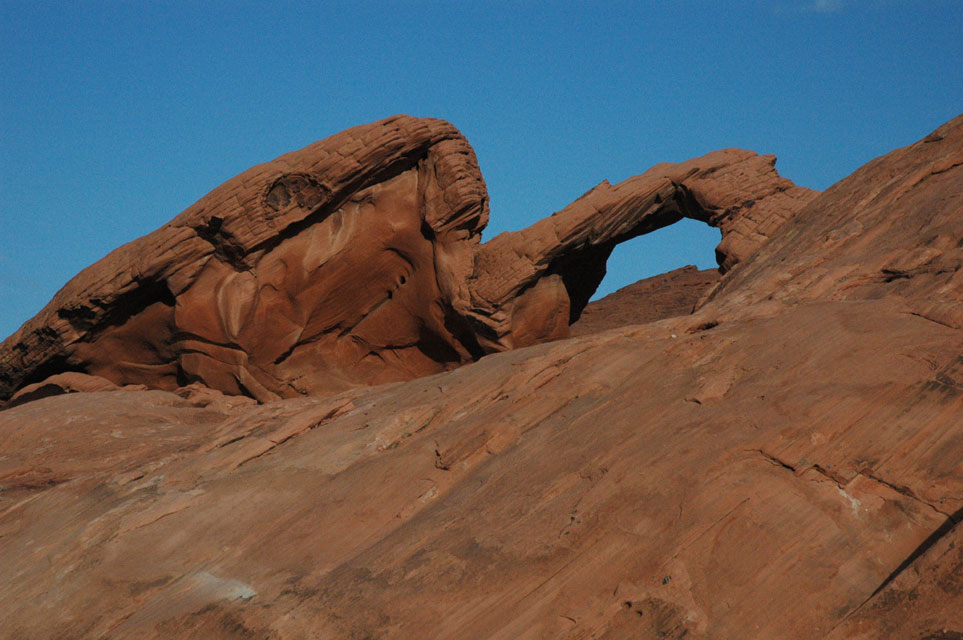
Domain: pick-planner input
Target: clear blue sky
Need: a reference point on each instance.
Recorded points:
(115, 116)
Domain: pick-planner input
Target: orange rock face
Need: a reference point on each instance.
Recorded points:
(785, 462)
(356, 260)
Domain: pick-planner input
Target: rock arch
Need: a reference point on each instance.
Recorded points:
(357, 260)
(556, 264)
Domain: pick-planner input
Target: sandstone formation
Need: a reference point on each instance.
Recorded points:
(667, 295)
(529, 286)
(785, 462)
(338, 263)
(891, 230)
(356, 260)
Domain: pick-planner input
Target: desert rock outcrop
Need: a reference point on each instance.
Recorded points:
(526, 282)
(356, 260)
(342, 262)
(785, 462)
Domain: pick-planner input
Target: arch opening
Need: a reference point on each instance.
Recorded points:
(652, 276)
(687, 242)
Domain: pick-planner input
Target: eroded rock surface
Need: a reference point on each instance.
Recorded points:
(338, 264)
(775, 465)
(891, 230)
(356, 260)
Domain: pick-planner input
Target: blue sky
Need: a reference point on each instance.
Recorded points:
(115, 116)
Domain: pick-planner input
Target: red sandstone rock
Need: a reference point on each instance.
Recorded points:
(891, 230)
(356, 261)
(564, 255)
(776, 465)
(340, 263)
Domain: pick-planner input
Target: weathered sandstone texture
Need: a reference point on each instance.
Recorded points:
(356, 260)
(785, 462)
(339, 263)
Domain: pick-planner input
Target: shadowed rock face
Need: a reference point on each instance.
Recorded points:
(356, 260)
